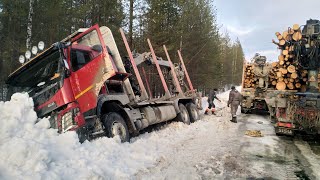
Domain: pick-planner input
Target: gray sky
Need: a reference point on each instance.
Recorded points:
(256, 21)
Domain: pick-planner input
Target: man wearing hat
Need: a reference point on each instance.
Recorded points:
(234, 100)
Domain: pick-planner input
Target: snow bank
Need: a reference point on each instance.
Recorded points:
(32, 151)
(29, 151)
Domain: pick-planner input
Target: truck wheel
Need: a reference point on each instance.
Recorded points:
(244, 111)
(193, 112)
(183, 116)
(115, 126)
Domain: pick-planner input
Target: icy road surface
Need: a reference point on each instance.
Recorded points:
(213, 148)
(217, 149)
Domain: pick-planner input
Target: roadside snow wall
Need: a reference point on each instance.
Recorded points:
(32, 151)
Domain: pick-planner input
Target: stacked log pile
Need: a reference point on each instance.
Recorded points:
(285, 74)
(249, 78)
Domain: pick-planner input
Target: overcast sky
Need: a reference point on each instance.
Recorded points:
(256, 21)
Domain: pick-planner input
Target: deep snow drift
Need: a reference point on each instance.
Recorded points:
(29, 151)
(32, 151)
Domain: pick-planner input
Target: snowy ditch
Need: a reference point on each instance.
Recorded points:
(32, 151)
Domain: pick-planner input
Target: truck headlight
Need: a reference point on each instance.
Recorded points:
(67, 121)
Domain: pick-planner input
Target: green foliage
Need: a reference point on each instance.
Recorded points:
(189, 25)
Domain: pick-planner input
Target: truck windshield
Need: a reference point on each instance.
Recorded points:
(43, 72)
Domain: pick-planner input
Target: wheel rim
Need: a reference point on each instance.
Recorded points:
(118, 129)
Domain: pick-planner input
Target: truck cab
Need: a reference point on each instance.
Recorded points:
(63, 79)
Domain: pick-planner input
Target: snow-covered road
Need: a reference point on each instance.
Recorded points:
(212, 148)
(221, 150)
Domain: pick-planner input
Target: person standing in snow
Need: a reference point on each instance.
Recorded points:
(211, 97)
(234, 100)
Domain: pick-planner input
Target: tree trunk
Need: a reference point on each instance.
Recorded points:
(29, 25)
(131, 24)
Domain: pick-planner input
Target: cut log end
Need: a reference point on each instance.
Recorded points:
(290, 86)
(296, 27)
(294, 75)
(285, 52)
(281, 86)
(297, 36)
(291, 69)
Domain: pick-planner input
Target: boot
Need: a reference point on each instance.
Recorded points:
(206, 111)
(234, 119)
(213, 112)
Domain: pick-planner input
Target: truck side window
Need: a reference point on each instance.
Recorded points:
(79, 59)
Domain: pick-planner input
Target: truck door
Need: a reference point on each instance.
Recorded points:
(90, 66)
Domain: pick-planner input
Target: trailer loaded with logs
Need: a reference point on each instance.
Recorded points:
(255, 84)
(294, 105)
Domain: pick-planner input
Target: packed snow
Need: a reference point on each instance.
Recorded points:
(208, 149)
(33, 151)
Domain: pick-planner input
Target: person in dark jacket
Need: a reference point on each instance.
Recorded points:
(211, 97)
(234, 100)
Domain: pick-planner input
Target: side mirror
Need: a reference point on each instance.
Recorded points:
(97, 48)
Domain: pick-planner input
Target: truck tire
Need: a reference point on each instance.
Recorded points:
(115, 125)
(193, 112)
(245, 111)
(183, 116)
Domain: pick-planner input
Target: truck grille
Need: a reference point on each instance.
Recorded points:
(45, 95)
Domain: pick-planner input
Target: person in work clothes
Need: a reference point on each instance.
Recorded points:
(234, 100)
(211, 97)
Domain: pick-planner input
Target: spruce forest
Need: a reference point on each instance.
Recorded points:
(212, 58)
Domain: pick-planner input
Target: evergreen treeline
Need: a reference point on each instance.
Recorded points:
(213, 59)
